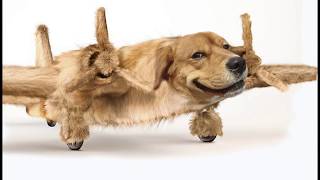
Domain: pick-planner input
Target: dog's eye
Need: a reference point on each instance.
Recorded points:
(226, 46)
(198, 55)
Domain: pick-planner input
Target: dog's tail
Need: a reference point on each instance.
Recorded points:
(29, 81)
(289, 74)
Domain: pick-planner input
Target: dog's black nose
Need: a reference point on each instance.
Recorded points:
(236, 65)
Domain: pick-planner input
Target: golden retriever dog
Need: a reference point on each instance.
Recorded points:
(137, 84)
(196, 72)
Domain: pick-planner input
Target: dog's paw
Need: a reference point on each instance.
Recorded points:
(206, 124)
(73, 134)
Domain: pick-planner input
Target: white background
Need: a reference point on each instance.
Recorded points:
(267, 134)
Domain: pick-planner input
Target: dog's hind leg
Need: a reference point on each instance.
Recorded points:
(206, 125)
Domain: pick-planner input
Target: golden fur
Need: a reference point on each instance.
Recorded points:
(206, 123)
(166, 64)
(138, 84)
(176, 94)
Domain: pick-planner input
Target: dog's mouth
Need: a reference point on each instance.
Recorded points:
(232, 88)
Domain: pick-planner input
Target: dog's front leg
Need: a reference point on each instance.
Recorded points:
(74, 129)
(68, 110)
(206, 125)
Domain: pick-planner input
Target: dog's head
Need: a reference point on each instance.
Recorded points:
(202, 66)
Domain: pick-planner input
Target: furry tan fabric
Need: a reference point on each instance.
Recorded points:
(140, 84)
(19, 100)
(290, 74)
(253, 61)
(207, 123)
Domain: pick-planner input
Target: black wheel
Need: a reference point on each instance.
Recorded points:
(75, 145)
(51, 123)
(207, 139)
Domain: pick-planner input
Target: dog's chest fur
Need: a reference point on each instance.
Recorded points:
(136, 107)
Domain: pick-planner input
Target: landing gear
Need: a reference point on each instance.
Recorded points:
(75, 145)
(51, 123)
(207, 139)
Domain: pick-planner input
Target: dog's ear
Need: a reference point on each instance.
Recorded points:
(164, 59)
(102, 29)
